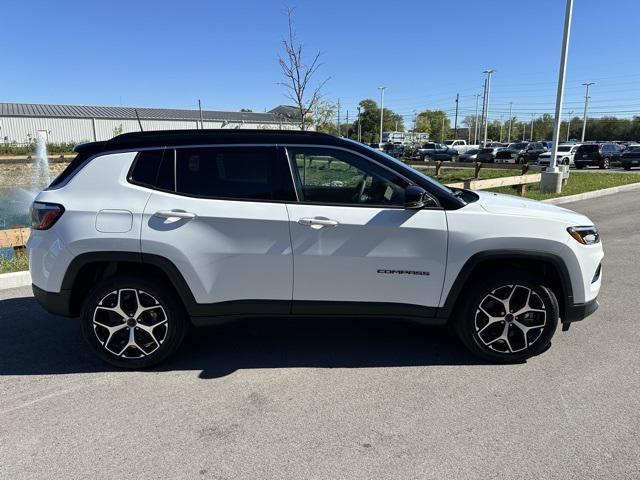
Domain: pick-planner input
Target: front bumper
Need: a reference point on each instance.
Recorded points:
(580, 311)
(57, 303)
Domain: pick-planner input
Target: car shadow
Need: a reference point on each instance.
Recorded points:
(34, 342)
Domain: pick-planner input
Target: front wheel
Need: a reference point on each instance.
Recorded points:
(426, 158)
(605, 164)
(508, 317)
(521, 160)
(132, 322)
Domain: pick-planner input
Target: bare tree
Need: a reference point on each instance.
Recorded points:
(299, 74)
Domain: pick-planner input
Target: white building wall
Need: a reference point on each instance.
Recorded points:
(76, 130)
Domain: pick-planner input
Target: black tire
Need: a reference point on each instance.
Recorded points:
(476, 329)
(605, 164)
(579, 166)
(160, 329)
(521, 160)
(426, 158)
(627, 167)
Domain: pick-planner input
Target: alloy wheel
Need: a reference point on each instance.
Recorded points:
(510, 319)
(130, 323)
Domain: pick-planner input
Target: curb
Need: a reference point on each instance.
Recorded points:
(594, 194)
(14, 280)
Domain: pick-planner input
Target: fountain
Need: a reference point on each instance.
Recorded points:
(41, 174)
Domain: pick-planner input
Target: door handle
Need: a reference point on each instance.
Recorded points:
(175, 214)
(318, 222)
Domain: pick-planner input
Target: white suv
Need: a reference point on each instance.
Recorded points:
(150, 231)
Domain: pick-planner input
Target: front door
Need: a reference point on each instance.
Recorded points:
(223, 223)
(353, 240)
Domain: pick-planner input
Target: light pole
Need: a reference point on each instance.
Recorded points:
(359, 127)
(551, 180)
(455, 123)
(586, 105)
(484, 105)
(382, 89)
(488, 72)
(569, 125)
(442, 131)
(510, 119)
(475, 122)
(500, 129)
(531, 129)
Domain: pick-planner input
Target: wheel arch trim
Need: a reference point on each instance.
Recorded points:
(477, 259)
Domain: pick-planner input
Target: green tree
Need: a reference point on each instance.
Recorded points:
(430, 121)
(324, 117)
(370, 121)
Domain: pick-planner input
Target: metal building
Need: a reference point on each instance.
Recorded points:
(22, 123)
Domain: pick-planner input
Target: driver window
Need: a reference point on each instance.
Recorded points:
(332, 176)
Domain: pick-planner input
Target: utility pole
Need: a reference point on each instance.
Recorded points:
(551, 180)
(442, 131)
(489, 72)
(510, 119)
(347, 135)
(200, 109)
(586, 105)
(484, 104)
(569, 125)
(359, 126)
(524, 130)
(475, 122)
(338, 126)
(455, 123)
(532, 115)
(500, 129)
(382, 89)
(396, 126)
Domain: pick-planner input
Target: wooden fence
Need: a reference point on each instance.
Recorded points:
(16, 238)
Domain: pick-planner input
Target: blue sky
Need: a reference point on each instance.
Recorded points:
(169, 54)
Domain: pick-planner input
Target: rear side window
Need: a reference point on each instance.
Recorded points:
(146, 166)
(251, 173)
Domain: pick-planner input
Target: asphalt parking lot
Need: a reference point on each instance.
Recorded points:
(332, 398)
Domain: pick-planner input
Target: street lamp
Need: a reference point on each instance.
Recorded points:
(586, 105)
(486, 113)
(382, 89)
(551, 180)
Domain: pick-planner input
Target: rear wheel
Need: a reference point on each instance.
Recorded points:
(627, 167)
(605, 164)
(521, 160)
(579, 166)
(426, 158)
(508, 317)
(132, 322)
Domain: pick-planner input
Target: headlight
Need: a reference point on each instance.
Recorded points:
(585, 235)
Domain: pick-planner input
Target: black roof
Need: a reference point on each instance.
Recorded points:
(161, 138)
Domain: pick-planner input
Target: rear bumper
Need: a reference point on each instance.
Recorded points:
(58, 303)
(580, 311)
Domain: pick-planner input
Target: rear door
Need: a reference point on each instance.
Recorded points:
(220, 218)
(355, 246)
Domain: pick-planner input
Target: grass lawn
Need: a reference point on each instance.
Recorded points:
(18, 263)
(579, 182)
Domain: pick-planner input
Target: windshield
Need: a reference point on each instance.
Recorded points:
(518, 146)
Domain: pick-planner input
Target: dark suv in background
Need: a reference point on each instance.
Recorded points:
(520, 152)
(602, 155)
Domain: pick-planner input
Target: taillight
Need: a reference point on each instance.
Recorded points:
(44, 215)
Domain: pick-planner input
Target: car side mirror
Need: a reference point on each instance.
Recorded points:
(414, 196)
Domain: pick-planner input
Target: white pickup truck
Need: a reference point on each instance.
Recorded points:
(460, 145)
